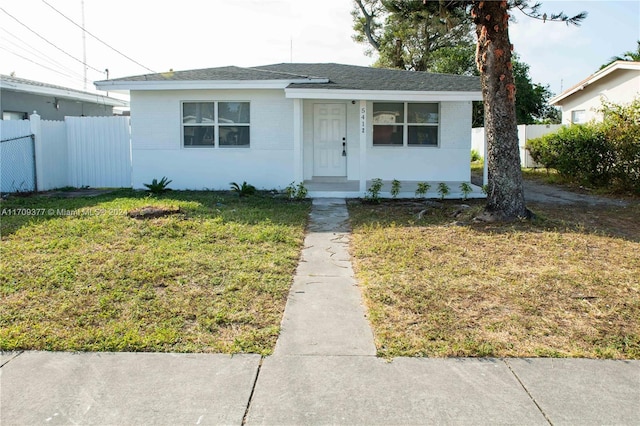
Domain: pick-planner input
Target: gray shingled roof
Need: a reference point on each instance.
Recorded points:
(341, 77)
(351, 77)
(230, 73)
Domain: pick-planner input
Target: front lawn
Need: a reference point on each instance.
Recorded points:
(564, 285)
(81, 275)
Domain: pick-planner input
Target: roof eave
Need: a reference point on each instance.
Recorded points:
(618, 65)
(111, 85)
(383, 95)
(63, 93)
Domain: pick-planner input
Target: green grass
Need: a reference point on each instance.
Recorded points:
(212, 278)
(564, 285)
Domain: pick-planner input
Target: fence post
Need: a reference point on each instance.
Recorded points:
(36, 131)
(485, 168)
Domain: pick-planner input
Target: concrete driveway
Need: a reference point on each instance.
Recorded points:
(537, 192)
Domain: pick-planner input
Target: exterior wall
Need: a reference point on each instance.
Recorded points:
(447, 162)
(44, 105)
(619, 87)
(269, 163)
(157, 149)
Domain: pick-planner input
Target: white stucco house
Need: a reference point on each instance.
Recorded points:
(20, 97)
(618, 83)
(334, 127)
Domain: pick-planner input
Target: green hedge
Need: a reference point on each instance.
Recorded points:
(605, 154)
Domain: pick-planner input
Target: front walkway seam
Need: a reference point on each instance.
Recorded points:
(12, 358)
(527, 391)
(253, 389)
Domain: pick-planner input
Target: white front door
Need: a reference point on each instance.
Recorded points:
(329, 140)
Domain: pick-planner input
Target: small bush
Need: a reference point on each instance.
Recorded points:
(475, 155)
(296, 192)
(422, 189)
(443, 190)
(158, 186)
(605, 154)
(621, 125)
(395, 188)
(465, 189)
(373, 193)
(243, 190)
(580, 151)
(541, 151)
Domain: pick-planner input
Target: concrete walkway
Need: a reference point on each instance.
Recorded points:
(324, 313)
(323, 371)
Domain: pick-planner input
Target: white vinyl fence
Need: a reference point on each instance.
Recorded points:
(525, 132)
(78, 152)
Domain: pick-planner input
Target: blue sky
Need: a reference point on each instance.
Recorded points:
(209, 33)
(558, 54)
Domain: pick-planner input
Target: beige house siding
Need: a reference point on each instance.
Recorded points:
(581, 103)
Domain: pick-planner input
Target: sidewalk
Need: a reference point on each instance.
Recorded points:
(323, 371)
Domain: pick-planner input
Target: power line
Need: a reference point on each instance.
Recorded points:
(61, 50)
(40, 54)
(39, 64)
(103, 42)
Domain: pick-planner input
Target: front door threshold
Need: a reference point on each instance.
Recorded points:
(328, 179)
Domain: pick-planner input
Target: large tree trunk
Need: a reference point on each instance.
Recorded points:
(505, 196)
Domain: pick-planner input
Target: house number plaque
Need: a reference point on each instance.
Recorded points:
(363, 117)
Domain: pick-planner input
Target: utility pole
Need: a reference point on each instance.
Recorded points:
(84, 48)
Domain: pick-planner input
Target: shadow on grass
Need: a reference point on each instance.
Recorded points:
(612, 221)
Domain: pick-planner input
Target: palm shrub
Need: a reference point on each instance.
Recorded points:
(243, 190)
(158, 186)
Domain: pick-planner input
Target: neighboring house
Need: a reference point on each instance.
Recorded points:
(19, 98)
(333, 126)
(618, 83)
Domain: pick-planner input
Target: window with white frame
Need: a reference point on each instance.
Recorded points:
(219, 124)
(405, 124)
(14, 115)
(578, 116)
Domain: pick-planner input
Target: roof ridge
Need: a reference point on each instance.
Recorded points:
(258, 68)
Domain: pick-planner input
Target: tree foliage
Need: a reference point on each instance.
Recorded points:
(628, 56)
(405, 35)
(532, 99)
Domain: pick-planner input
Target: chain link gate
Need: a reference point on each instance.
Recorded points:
(18, 164)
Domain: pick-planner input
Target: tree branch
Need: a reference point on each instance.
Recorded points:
(368, 20)
(554, 17)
